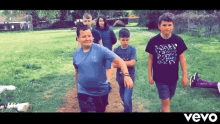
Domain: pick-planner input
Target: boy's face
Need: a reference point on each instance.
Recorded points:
(88, 21)
(85, 38)
(166, 27)
(101, 22)
(124, 41)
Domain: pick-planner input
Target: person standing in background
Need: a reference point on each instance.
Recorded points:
(108, 40)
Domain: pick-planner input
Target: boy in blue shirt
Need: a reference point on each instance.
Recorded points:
(165, 52)
(90, 73)
(128, 54)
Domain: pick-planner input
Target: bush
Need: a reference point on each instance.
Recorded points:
(199, 32)
(149, 18)
(196, 25)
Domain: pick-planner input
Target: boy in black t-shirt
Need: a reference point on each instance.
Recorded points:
(165, 52)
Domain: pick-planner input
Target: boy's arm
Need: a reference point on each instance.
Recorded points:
(115, 65)
(127, 79)
(184, 69)
(150, 62)
(76, 77)
(130, 63)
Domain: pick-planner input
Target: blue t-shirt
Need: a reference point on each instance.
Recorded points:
(126, 54)
(91, 78)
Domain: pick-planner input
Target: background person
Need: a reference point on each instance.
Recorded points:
(196, 81)
(108, 40)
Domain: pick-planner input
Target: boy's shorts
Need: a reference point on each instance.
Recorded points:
(88, 103)
(165, 91)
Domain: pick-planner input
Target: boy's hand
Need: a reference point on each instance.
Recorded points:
(128, 82)
(185, 81)
(151, 81)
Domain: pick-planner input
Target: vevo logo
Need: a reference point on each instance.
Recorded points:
(196, 117)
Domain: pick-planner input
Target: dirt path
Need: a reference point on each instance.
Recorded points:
(115, 102)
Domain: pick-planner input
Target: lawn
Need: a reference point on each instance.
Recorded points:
(39, 64)
(202, 56)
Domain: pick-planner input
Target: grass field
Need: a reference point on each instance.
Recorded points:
(39, 64)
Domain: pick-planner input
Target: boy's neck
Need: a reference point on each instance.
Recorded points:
(124, 47)
(165, 36)
(86, 49)
(90, 27)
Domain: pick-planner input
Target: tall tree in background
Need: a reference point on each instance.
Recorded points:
(35, 18)
(36, 14)
(63, 15)
(149, 18)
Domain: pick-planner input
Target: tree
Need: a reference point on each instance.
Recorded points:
(63, 15)
(48, 14)
(149, 18)
(10, 14)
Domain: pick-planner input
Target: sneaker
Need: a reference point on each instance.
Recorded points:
(7, 87)
(23, 107)
(192, 82)
(3, 105)
(218, 85)
(2, 89)
(196, 76)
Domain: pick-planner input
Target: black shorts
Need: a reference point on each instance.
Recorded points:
(88, 103)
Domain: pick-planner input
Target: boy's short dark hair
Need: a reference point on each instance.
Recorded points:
(124, 32)
(87, 15)
(81, 26)
(169, 17)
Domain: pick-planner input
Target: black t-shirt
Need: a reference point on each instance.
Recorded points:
(165, 57)
(95, 35)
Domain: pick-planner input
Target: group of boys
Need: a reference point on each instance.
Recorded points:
(166, 51)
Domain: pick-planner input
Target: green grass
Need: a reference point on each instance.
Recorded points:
(202, 56)
(39, 64)
(133, 24)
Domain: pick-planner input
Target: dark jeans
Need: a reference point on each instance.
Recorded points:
(125, 93)
(88, 103)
